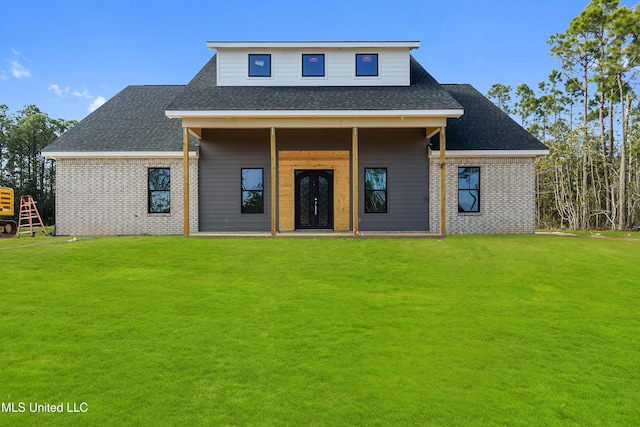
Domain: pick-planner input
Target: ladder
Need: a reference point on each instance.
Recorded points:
(29, 216)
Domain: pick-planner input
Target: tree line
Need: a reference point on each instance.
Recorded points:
(23, 135)
(587, 113)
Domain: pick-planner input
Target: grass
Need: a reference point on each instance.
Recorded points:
(468, 330)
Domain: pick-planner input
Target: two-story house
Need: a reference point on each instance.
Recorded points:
(277, 137)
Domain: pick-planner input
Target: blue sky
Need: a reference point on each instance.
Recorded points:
(68, 57)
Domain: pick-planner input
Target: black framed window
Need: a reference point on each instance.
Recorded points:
(375, 190)
(366, 64)
(259, 65)
(468, 189)
(252, 191)
(159, 190)
(313, 65)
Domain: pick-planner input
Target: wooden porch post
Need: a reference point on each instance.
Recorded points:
(354, 178)
(274, 181)
(443, 181)
(185, 166)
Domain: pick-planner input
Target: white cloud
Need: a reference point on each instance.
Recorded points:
(83, 94)
(58, 90)
(16, 68)
(96, 103)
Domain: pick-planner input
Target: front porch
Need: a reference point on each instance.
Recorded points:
(280, 155)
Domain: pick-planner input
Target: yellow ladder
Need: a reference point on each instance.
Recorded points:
(29, 216)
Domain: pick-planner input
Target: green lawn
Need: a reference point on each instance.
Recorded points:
(468, 331)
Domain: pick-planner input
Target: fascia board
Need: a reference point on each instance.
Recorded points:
(176, 114)
(217, 45)
(489, 153)
(117, 154)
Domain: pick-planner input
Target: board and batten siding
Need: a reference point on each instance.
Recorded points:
(340, 68)
(404, 153)
(223, 153)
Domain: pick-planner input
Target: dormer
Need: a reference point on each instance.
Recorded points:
(385, 63)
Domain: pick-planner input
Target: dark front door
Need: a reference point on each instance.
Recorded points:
(314, 199)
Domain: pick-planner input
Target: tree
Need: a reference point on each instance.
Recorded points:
(5, 126)
(527, 104)
(25, 169)
(591, 177)
(501, 94)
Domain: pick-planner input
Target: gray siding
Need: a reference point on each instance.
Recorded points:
(223, 153)
(404, 153)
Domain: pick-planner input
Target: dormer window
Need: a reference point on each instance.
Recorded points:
(259, 65)
(313, 65)
(366, 64)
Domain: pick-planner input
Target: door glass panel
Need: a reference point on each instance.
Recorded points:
(305, 202)
(323, 202)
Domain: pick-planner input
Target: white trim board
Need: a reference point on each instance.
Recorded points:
(118, 154)
(176, 114)
(489, 153)
(215, 45)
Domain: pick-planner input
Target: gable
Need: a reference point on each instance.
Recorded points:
(337, 63)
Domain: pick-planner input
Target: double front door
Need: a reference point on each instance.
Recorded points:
(314, 199)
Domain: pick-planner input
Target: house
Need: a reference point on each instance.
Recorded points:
(291, 136)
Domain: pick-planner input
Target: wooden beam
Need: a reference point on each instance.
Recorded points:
(443, 181)
(185, 166)
(274, 182)
(431, 132)
(354, 178)
(196, 132)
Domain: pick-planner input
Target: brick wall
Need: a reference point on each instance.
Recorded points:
(109, 197)
(507, 196)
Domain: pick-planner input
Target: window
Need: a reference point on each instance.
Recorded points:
(252, 192)
(259, 65)
(375, 190)
(469, 189)
(366, 64)
(313, 65)
(159, 190)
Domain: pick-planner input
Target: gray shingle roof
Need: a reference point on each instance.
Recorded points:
(203, 94)
(483, 126)
(133, 120)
